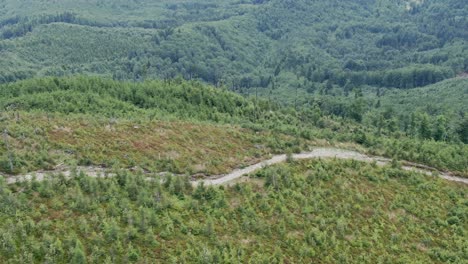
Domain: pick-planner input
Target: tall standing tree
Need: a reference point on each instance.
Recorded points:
(463, 130)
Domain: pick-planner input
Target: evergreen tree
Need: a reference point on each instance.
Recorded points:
(77, 254)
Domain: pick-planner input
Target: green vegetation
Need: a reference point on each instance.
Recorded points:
(436, 112)
(168, 125)
(188, 127)
(197, 88)
(83, 95)
(243, 44)
(311, 211)
(446, 98)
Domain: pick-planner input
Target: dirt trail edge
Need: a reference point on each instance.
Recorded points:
(224, 179)
(329, 153)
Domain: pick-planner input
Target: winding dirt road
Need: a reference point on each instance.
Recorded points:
(224, 179)
(329, 153)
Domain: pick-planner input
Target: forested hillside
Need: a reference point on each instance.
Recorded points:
(240, 44)
(89, 120)
(189, 131)
(302, 212)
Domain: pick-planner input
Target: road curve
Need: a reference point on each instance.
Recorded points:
(224, 179)
(329, 153)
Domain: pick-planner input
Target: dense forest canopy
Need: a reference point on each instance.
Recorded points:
(240, 44)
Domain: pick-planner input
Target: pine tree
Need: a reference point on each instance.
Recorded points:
(424, 127)
(77, 255)
(463, 130)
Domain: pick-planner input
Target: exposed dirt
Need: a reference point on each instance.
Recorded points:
(238, 173)
(330, 153)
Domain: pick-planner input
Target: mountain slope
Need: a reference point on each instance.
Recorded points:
(275, 44)
(335, 211)
(89, 120)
